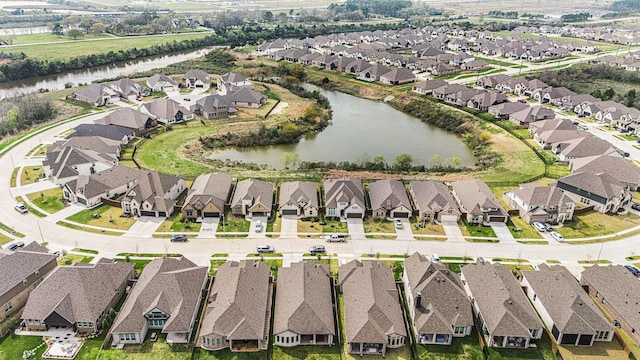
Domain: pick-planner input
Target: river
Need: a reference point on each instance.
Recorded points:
(361, 128)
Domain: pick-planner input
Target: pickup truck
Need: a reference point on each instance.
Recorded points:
(337, 238)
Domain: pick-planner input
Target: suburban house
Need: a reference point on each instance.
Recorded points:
(89, 190)
(214, 106)
(22, 271)
(107, 147)
(232, 81)
(438, 305)
(427, 87)
(505, 109)
(619, 168)
(344, 198)
(304, 306)
(505, 315)
(441, 92)
(113, 132)
(537, 203)
(398, 76)
(564, 307)
(483, 100)
(131, 119)
(77, 297)
(583, 147)
(155, 194)
(299, 198)
(166, 298)
(238, 309)
(373, 319)
(617, 291)
(246, 98)
(600, 191)
(539, 127)
(389, 199)
(433, 201)
(207, 197)
(161, 82)
(129, 89)
(252, 198)
(550, 138)
(66, 163)
(477, 202)
(96, 95)
(531, 114)
(196, 78)
(167, 111)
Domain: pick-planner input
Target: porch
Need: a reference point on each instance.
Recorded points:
(366, 348)
(245, 345)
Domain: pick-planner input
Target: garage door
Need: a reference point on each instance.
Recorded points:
(162, 214)
(258, 214)
(497, 218)
(290, 212)
(403, 215)
(82, 201)
(569, 339)
(354, 215)
(452, 218)
(147, 213)
(211, 214)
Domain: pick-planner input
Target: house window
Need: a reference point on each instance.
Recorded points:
(602, 335)
(7, 306)
(533, 332)
(37, 273)
(597, 294)
(24, 282)
(189, 213)
(585, 201)
(603, 301)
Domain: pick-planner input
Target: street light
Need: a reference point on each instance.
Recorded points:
(40, 231)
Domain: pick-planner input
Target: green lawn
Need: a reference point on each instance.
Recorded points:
(31, 174)
(305, 353)
(226, 354)
(335, 227)
(48, 37)
(378, 226)
(147, 350)
(70, 259)
(48, 200)
(215, 264)
(593, 224)
(12, 347)
(174, 223)
(89, 46)
(10, 230)
(528, 231)
(4, 239)
(92, 230)
(137, 264)
(309, 226)
(542, 352)
(106, 213)
(476, 230)
(233, 224)
(467, 348)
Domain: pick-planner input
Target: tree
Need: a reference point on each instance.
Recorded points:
(290, 159)
(484, 136)
(98, 28)
(435, 160)
(379, 162)
(608, 94)
(57, 29)
(267, 16)
(404, 162)
(74, 34)
(456, 161)
(86, 22)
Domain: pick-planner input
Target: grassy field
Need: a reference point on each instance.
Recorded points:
(467, 348)
(106, 213)
(65, 50)
(49, 37)
(31, 174)
(593, 224)
(48, 200)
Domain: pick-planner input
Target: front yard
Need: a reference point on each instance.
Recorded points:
(476, 230)
(593, 224)
(309, 226)
(70, 259)
(31, 174)
(48, 200)
(103, 216)
(379, 226)
(175, 223)
(233, 224)
(331, 226)
(428, 228)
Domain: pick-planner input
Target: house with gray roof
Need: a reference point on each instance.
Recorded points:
(600, 191)
(505, 315)
(344, 198)
(90, 190)
(232, 81)
(304, 306)
(537, 203)
(214, 106)
(65, 163)
(21, 271)
(437, 302)
(167, 111)
(166, 298)
(484, 100)
(238, 311)
(398, 76)
(129, 89)
(196, 78)
(161, 83)
(77, 297)
(505, 109)
(207, 197)
(113, 132)
(129, 118)
(531, 114)
(564, 306)
(619, 168)
(246, 98)
(155, 194)
(477, 202)
(299, 198)
(427, 87)
(617, 291)
(252, 198)
(433, 201)
(373, 319)
(96, 95)
(100, 145)
(583, 147)
(389, 199)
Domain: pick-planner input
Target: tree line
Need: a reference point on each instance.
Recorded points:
(20, 113)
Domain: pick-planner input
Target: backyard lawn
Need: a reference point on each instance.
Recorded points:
(174, 223)
(226, 354)
(305, 353)
(147, 350)
(106, 214)
(466, 348)
(600, 350)
(592, 224)
(542, 352)
(48, 200)
(12, 347)
(31, 174)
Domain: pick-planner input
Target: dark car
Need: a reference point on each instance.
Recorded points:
(317, 249)
(635, 206)
(633, 270)
(179, 238)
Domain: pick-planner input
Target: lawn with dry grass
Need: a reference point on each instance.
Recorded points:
(596, 224)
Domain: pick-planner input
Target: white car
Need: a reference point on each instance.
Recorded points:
(258, 226)
(557, 236)
(21, 208)
(398, 223)
(539, 226)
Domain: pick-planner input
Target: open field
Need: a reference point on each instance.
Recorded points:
(25, 39)
(596, 224)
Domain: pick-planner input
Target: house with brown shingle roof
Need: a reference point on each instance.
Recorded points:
(484, 100)
(232, 81)
(155, 194)
(252, 198)
(537, 203)
(373, 319)
(600, 191)
(478, 202)
(96, 95)
(246, 98)
(214, 106)
(166, 298)
(22, 271)
(78, 296)
(564, 306)
(161, 82)
(167, 111)
(427, 87)
(617, 291)
(619, 168)
(299, 198)
(398, 76)
(433, 201)
(389, 199)
(531, 114)
(344, 198)
(66, 163)
(90, 190)
(207, 197)
(583, 147)
(505, 109)
(129, 118)
(304, 306)
(505, 316)
(196, 78)
(238, 311)
(438, 305)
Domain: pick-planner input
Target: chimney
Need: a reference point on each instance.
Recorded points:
(418, 300)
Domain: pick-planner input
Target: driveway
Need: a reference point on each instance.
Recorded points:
(503, 233)
(208, 228)
(252, 229)
(289, 226)
(356, 228)
(144, 226)
(405, 233)
(288, 259)
(453, 232)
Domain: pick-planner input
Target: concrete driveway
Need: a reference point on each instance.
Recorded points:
(502, 232)
(144, 226)
(252, 229)
(356, 228)
(289, 226)
(405, 233)
(453, 232)
(208, 228)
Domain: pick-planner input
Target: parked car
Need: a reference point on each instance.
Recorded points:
(317, 249)
(539, 226)
(583, 127)
(266, 249)
(21, 208)
(258, 226)
(548, 227)
(633, 270)
(337, 238)
(557, 236)
(435, 257)
(398, 223)
(179, 238)
(523, 101)
(187, 99)
(481, 260)
(635, 206)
